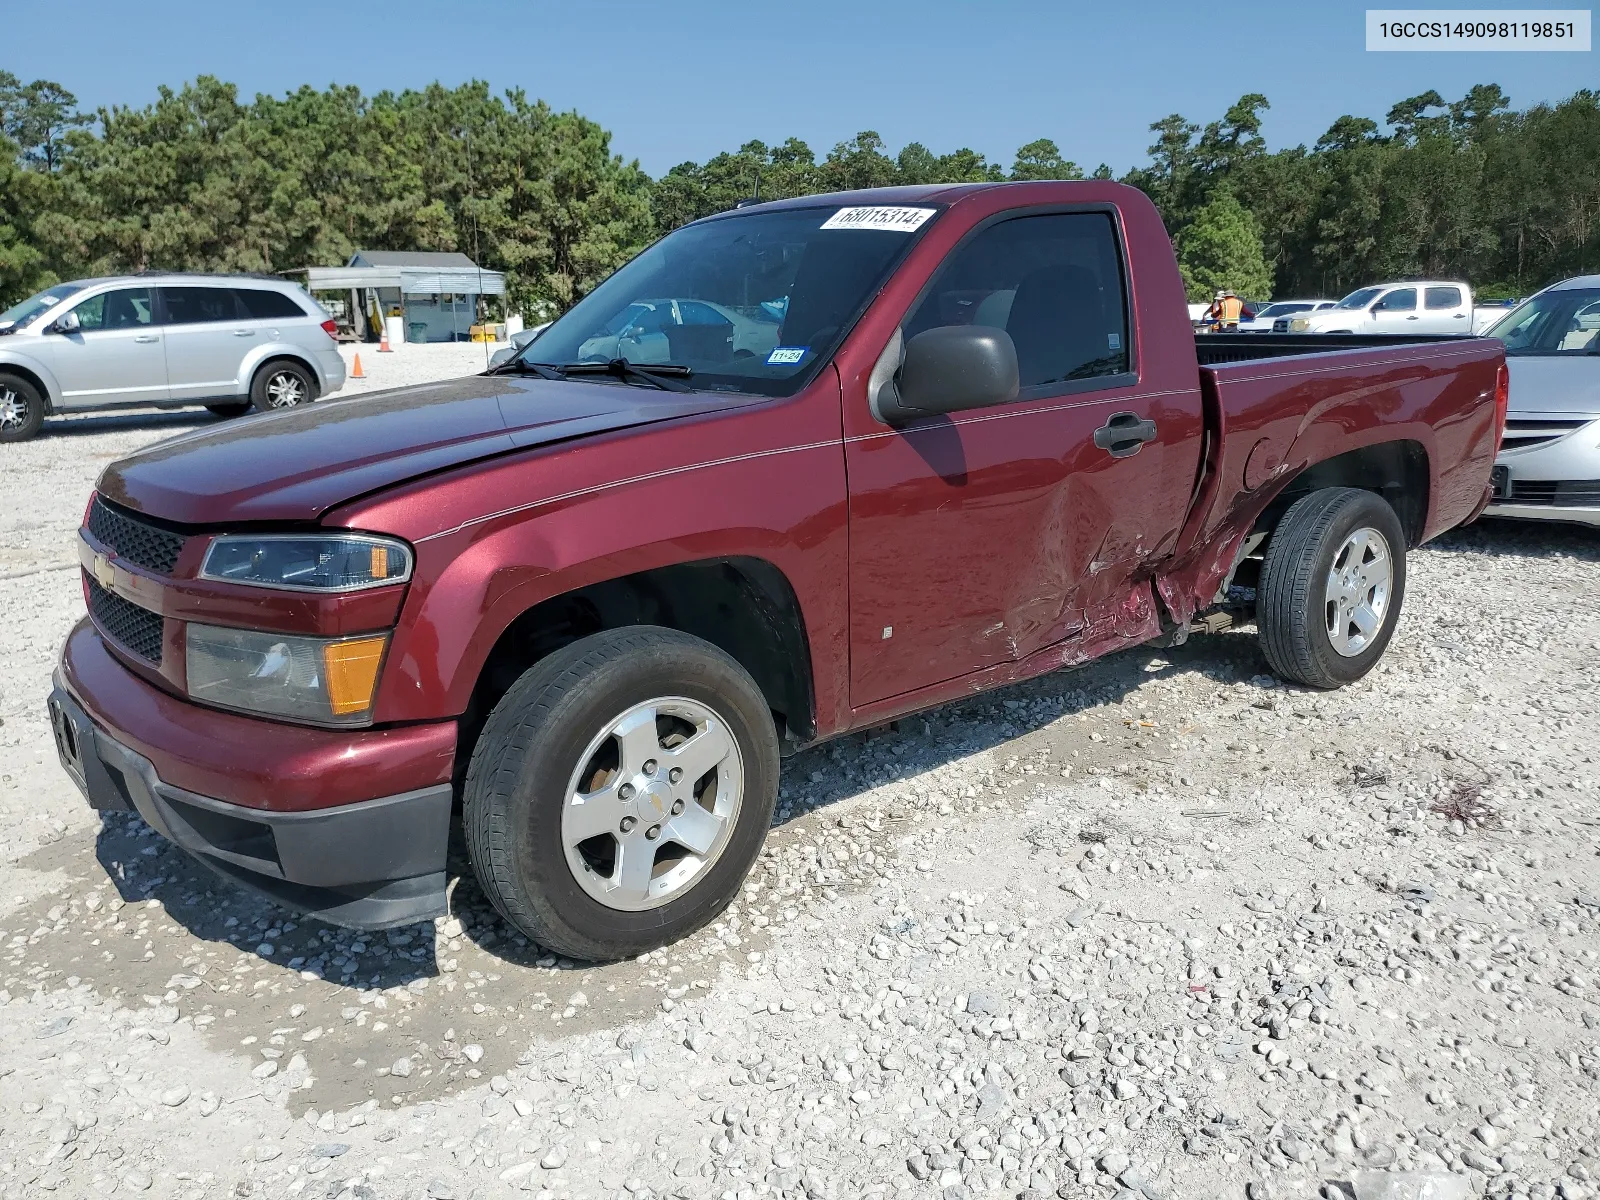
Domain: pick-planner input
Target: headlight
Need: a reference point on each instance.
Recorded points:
(320, 680)
(1298, 324)
(337, 562)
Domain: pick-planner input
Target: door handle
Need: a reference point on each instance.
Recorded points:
(244, 333)
(1413, 318)
(1124, 434)
(146, 338)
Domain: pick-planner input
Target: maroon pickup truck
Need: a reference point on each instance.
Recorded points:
(795, 470)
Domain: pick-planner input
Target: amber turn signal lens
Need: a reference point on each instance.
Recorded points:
(352, 673)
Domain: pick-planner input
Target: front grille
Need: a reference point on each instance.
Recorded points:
(1522, 433)
(124, 622)
(1281, 325)
(134, 538)
(1563, 493)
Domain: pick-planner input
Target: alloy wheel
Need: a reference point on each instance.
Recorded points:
(652, 803)
(285, 389)
(13, 408)
(1357, 595)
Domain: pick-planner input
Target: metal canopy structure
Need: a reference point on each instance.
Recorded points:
(411, 281)
(411, 272)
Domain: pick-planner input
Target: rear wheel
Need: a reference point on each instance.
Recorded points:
(282, 384)
(21, 409)
(620, 792)
(1331, 587)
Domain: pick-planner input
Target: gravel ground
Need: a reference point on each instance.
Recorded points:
(408, 363)
(1157, 927)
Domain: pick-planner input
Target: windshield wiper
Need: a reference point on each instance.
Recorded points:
(518, 366)
(665, 376)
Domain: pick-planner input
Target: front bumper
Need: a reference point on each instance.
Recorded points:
(1556, 480)
(367, 862)
(1544, 512)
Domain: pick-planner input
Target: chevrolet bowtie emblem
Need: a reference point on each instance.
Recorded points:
(104, 572)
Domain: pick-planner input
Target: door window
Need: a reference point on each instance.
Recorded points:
(1053, 282)
(267, 306)
(694, 313)
(201, 305)
(1442, 297)
(125, 308)
(1399, 300)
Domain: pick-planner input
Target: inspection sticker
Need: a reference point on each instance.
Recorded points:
(900, 220)
(786, 354)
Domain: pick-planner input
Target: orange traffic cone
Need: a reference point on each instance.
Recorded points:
(356, 372)
(383, 343)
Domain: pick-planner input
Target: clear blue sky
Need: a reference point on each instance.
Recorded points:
(684, 79)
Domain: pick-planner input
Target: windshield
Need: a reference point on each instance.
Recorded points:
(1282, 310)
(1359, 299)
(27, 310)
(752, 302)
(1557, 322)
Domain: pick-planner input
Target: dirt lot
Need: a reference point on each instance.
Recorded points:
(1153, 928)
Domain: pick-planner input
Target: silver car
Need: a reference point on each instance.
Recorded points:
(225, 342)
(1549, 464)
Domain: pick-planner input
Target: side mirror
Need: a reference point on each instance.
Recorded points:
(65, 323)
(948, 369)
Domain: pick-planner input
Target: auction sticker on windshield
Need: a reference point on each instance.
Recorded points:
(900, 220)
(786, 354)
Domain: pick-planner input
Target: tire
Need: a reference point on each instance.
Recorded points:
(237, 409)
(282, 384)
(21, 409)
(549, 740)
(1308, 614)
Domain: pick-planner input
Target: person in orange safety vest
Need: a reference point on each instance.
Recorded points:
(1225, 310)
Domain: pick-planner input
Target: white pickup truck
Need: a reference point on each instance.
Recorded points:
(1410, 307)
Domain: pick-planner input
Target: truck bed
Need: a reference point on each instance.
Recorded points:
(1213, 349)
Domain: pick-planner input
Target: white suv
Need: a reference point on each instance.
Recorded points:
(1413, 307)
(227, 342)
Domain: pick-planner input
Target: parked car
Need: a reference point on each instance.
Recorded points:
(1265, 320)
(594, 600)
(1486, 313)
(223, 341)
(518, 340)
(1549, 466)
(1421, 307)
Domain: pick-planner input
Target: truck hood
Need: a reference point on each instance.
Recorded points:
(1330, 318)
(296, 465)
(1551, 385)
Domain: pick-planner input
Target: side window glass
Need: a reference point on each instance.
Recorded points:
(694, 313)
(1442, 297)
(125, 308)
(200, 305)
(263, 305)
(1400, 300)
(653, 318)
(1053, 282)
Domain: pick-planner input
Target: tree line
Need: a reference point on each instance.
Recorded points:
(201, 180)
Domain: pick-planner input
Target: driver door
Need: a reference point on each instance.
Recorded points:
(1397, 312)
(115, 356)
(983, 536)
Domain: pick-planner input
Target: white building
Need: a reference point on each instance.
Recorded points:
(435, 294)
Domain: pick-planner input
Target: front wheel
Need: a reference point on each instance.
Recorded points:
(620, 792)
(282, 384)
(1331, 587)
(21, 409)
